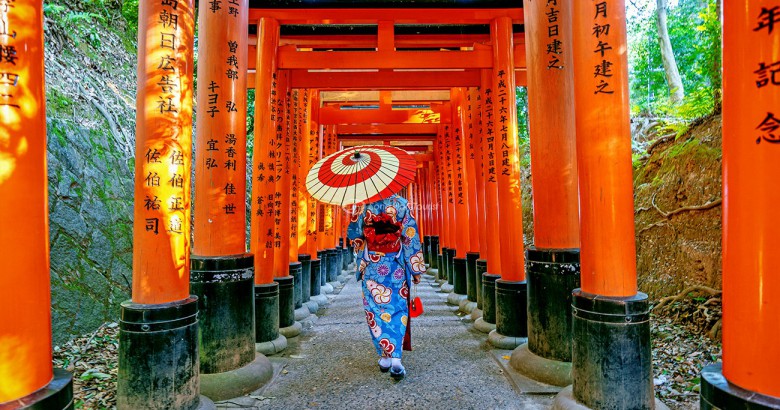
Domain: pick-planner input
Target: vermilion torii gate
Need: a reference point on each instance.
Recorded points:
(331, 74)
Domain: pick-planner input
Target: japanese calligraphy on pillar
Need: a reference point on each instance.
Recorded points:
(768, 74)
(458, 163)
(602, 72)
(166, 156)
(314, 147)
(490, 136)
(11, 60)
(554, 43)
(504, 98)
(448, 153)
(294, 163)
(221, 132)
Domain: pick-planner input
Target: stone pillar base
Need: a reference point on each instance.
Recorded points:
(484, 326)
(565, 401)
(539, 368)
(476, 314)
(302, 313)
(718, 393)
(446, 287)
(611, 356)
(272, 347)
(467, 306)
(455, 299)
(335, 285)
(313, 305)
(327, 288)
(292, 330)
(158, 355)
(432, 272)
(237, 382)
(224, 286)
(505, 342)
(321, 300)
(56, 395)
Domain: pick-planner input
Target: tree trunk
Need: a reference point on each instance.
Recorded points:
(673, 79)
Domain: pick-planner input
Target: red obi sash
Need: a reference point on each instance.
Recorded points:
(382, 233)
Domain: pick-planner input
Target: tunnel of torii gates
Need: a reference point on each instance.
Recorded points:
(439, 81)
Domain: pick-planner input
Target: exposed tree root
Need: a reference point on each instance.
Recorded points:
(695, 288)
(708, 205)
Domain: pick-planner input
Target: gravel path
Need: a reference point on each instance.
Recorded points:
(332, 364)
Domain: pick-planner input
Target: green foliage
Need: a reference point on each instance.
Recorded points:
(130, 14)
(694, 30)
(523, 136)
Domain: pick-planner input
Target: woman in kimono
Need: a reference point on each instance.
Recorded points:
(387, 244)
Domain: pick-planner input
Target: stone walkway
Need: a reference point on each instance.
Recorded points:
(333, 365)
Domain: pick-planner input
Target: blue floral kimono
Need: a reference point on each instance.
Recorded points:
(387, 243)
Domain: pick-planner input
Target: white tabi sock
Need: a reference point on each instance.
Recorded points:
(385, 362)
(397, 366)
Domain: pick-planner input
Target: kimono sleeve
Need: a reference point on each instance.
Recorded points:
(412, 248)
(355, 230)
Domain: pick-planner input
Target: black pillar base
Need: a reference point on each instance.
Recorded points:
(158, 356)
(471, 276)
(434, 243)
(451, 267)
(481, 268)
(444, 269)
(225, 288)
(332, 264)
(552, 275)
(305, 260)
(718, 393)
(344, 258)
(459, 277)
(611, 360)
(295, 271)
(511, 315)
(286, 301)
(56, 395)
(267, 338)
(487, 323)
(316, 280)
(339, 260)
(322, 255)
(426, 247)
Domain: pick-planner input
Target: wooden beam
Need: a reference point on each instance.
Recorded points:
(397, 129)
(399, 16)
(290, 58)
(334, 115)
(384, 79)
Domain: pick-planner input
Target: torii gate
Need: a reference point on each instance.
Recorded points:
(582, 191)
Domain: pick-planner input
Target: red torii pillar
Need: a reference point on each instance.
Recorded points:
(452, 217)
(432, 213)
(481, 210)
(161, 228)
(327, 237)
(315, 217)
(295, 236)
(751, 263)
(267, 97)
(26, 375)
(470, 124)
(492, 263)
(511, 292)
(305, 206)
(553, 261)
(443, 203)
(222, 272)
(460, 197)
(611, 360)
(285, 268)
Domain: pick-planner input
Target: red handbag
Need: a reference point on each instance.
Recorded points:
(416, 308)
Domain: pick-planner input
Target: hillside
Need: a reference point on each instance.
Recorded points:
(90, 90)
